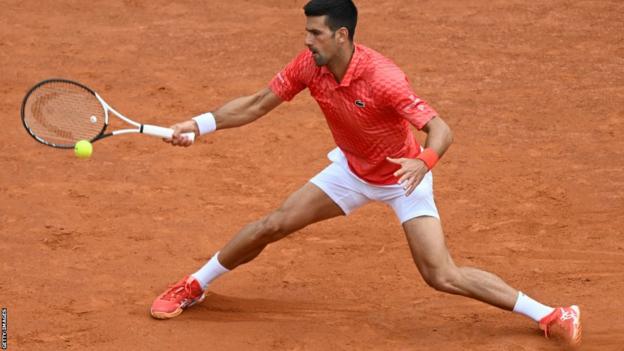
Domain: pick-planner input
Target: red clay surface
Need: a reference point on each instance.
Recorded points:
(532, 189)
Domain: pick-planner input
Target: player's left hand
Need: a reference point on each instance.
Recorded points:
(411, 173)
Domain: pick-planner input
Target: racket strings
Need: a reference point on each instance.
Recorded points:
(62, 113)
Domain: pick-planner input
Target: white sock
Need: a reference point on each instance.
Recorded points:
(531, 308)
(210, 271)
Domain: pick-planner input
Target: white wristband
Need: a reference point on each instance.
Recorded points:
(206, 123)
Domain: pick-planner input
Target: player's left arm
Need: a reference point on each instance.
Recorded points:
(413, 170)
(439, 135)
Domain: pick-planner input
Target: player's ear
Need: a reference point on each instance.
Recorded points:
(343, 35)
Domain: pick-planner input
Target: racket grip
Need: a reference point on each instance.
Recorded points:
(163, 132)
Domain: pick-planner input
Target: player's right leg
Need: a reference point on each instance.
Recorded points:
(308, 205)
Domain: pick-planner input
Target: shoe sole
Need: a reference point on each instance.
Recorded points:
(575, 340)
(177, 312)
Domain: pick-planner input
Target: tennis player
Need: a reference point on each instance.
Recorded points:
(369, 106)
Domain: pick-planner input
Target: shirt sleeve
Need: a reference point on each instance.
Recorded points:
(294, 77)
(399, 96)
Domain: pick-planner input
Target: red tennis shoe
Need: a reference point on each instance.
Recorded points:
(563, 323)
(177, 298)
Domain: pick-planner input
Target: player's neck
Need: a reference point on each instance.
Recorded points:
(340, 63)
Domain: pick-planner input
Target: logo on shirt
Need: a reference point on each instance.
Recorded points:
(414, 103)
(360, 103)
(281, 78)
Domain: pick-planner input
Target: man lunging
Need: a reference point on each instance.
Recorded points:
(369, 106)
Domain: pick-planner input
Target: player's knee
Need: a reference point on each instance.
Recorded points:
(271, 228)
(442, 280)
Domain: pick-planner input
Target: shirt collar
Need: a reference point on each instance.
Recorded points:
(352, 71)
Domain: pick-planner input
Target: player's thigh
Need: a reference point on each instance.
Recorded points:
(426, 240)
(305, 206)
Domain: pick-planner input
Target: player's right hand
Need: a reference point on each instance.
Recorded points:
(183, 127)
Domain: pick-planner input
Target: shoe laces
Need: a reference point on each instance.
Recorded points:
(565, 315)
(179, 289)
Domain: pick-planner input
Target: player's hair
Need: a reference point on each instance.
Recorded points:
(340, 13)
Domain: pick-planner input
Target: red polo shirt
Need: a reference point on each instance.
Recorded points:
(368, 112)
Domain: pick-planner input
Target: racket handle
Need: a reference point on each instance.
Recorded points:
(163, 132)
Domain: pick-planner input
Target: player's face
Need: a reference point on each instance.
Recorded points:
(320, 40)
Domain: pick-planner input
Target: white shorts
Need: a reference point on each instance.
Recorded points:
(351, 192)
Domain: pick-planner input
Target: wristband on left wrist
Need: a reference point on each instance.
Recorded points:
(429, 157)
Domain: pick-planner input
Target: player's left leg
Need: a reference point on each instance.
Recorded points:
(429, 251)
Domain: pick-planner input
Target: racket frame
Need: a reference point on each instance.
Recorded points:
(148, 129)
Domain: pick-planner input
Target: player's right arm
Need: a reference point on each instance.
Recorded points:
(235, 113)
(283, 87)
(246, 109)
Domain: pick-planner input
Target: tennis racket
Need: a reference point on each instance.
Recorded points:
(60, 112)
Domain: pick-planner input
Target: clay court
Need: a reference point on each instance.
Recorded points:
(532, 189)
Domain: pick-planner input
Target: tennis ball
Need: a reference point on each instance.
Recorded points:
(83, 149)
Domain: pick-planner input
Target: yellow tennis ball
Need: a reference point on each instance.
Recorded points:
(83, 149)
